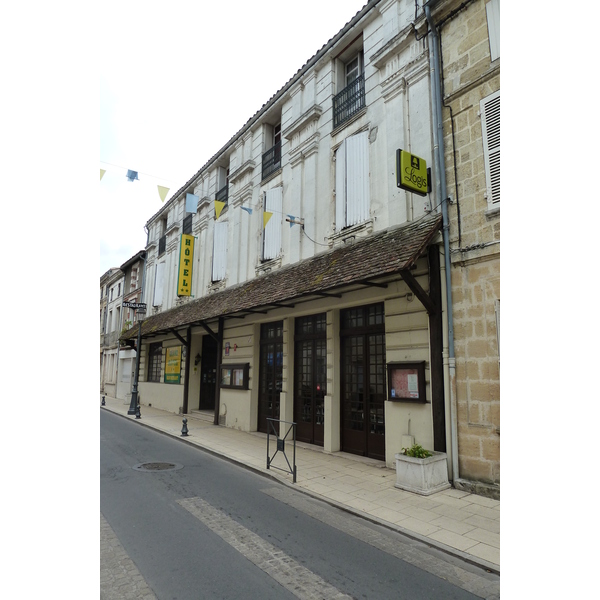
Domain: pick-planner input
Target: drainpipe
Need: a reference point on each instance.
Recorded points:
(440, 167)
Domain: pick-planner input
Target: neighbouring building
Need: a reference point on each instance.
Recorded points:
(291, 278)
(104, 292)
(133, 271)
(112, 329)
(469, 34)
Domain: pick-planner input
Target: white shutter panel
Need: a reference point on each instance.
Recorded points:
(219, 251)
(272, 232)
(493, 21)
(340, 187)
(159, 284)
(490, 124)
(357, 178)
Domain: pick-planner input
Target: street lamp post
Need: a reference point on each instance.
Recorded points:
(134, 391)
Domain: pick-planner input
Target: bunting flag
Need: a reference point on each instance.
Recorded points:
(102, 171)
(162, 192)
(132, 175)
(219, 206)
(266, 217)
(191, 203)
(248, 210)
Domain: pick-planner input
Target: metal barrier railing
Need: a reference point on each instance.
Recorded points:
(281, 446)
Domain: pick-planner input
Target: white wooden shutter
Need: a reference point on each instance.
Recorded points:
(357, 178)
(219, 251)
(272, 232)
(492, 10)
(340, 186)
(490, 124)
(159, 284)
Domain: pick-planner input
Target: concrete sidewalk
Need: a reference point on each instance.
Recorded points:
(457, 522)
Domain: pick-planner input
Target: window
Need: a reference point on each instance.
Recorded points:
(271, 160)
(162, 240)
(111, 293)
(219, 251)
(273, 203)
(222, 185)
(352, 200)
(119, 291)
(187, 224)
(154, 362)
(490, 123)
(352, 98)
(492, 10)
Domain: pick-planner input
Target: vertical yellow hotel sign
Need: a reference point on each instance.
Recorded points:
(186, 255)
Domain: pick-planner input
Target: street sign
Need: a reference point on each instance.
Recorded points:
(141, 306)
(412, 173)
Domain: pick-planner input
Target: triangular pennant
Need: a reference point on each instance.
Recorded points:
(219, 206)
(292, 219)
(132, 175)
(191, 203)
(266, 217)
(102, 171)
(248, 210)
(162, 192)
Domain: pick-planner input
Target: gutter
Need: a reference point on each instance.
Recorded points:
(440, 166)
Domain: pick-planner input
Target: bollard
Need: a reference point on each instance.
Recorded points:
(138, 415)
(103, 400)
(184, 429)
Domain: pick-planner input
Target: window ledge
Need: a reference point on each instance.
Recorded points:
(271, 176)
(490, 213)
(268, 265)
(357, 115)
(348, 234)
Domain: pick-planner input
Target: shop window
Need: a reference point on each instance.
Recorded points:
(154, 362)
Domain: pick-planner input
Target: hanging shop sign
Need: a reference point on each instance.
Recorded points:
(186, 255)
(173, 365)
(412, 173)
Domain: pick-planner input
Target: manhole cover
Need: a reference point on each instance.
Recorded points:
(157, 466)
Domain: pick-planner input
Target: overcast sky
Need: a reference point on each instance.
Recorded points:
(177, 81)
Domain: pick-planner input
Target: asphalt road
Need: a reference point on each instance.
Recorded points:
(207, 528)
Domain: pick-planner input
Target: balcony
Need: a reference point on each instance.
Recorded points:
(349, 101)
(271, 160)
(162, 244)
(223, 193)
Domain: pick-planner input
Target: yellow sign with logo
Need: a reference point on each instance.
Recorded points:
(173, 365)
(411, 173)
(186, 256)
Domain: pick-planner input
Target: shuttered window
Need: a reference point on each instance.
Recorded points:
(490, 123)
(352, 181)
(159, 284)
(492, 10)
(273, 203)
(219, 251)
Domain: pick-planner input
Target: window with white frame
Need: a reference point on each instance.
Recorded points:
(351, 98)
(352, 199)
(492, 10)
(219, 251)
(273, 203)
(490, 124)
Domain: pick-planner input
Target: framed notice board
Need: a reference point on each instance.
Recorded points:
(406, 382)
(235, 376)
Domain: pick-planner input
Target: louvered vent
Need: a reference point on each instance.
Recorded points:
(490, 122)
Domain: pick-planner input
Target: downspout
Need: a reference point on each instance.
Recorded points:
(440, 167)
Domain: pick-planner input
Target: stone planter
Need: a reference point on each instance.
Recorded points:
(423, 476)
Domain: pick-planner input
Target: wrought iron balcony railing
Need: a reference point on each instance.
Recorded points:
(271, 160)
(349, 101)
(223, 193)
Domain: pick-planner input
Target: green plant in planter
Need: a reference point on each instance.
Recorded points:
(416, 451)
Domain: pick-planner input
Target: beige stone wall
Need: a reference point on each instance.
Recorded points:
(469, 76)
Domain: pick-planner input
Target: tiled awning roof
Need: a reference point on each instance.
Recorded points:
(376, 256)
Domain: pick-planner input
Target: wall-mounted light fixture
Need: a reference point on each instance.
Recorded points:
(197, 359)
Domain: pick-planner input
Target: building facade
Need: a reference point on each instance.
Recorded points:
(469, 34)
(292, 279)
(133, 271)
(112, 329)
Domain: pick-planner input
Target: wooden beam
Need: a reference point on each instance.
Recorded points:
(419, 292)
(178, 336)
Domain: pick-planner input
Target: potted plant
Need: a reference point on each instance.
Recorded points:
(421, 471)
